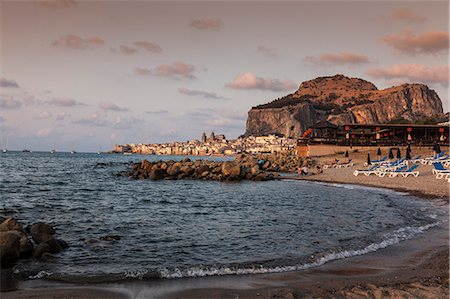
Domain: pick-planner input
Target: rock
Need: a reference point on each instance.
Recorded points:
(230, 169)
(204, 174)
(54, 246)
(164, 166)
(156, 174)
(63, 244)
(255, 170)
(187, 171)
(342, 100)
(25, 245)
(40, 250)
(9, 249)
(42, 228)
(111, 238)
(41, 237)
(11, 224)
(146, 165)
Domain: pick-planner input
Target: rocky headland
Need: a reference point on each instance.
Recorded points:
(343, 100)
(244, 167)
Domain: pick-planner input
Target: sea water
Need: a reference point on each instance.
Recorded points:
(190, 228)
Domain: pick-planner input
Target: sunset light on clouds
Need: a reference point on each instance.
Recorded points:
(84, 75)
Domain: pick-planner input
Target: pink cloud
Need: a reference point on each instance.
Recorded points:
(414, 73)
(207, 24)
(175, 70)
(111, 106)
(251, 81)
(62, 116)
(406, 15)
(148, 46)
(330, 59)
(43, 115)
(431, 42)
(76, 42)
(142, 71)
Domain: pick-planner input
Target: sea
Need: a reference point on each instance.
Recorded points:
(120, 228)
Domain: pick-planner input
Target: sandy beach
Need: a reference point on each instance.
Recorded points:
(416, 268)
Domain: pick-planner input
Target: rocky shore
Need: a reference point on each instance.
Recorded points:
(15, 242)
(244, 167)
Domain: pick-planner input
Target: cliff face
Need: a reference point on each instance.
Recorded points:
(342, 100)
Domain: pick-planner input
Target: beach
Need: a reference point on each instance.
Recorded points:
(417, 267)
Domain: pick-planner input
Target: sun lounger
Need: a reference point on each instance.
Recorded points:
(366, 172)
(383, 173)
(377, 162)
(438, 167)
(416, 159)
(394, 165)
(406, 173)
(341, 165)
(441, 159)
(443, 174)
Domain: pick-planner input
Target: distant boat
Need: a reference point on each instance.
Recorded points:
(127, 153)
(98, 153)
(4, 150)
(53, 151)
(73, 152)
(26, 151)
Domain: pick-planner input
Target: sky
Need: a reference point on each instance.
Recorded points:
(85, 75)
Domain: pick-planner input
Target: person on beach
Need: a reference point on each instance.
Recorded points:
(303, 170)
(319, 169)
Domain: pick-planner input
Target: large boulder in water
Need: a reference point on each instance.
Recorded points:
(41, 232)
(11, 224)
(9, 249)
(25, 245)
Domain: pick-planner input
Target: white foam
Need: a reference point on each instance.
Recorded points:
(41, 274)
(391, 239)
(138, 274)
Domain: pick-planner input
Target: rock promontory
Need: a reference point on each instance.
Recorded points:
(342, 100)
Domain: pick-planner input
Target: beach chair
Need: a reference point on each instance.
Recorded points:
(377, 162)
(347, 164)
(394, 165)
(438, 167)
(383, 173)
(330, 165)
(416, 159)
(406, 173)
(366, 172)
(440, 159)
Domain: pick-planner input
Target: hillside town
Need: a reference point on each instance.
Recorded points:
(214, 145)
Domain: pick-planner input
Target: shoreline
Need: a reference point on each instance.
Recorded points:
(416, 267)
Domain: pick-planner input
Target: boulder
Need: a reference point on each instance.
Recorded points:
(11, 224)
(173, 170)
(156, 174)
(9, 249)
(41, 249)
(54, 245)
(25, 245)
(255, 170)
(230, 169)
(41, 232)
(187, 171)
(146, 165)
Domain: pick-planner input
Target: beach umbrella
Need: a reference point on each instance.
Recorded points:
(391, 154)
(346, 153)
(368, 159)
(379, 153)
(399, 155)
(408, 153)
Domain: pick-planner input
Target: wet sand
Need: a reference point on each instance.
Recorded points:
(417, 268)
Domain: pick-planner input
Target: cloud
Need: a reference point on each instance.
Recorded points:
(175, 70)
(267, 51)
(62, 116)
(412, 73)
(330, 59)
(111, 106)
(126, 50)
(8, 102)
(142, 71)
(64, 102)
(96, 119)
(207, 24)
(251, 81)
(160, 111)
(43, 132)
(76, 42)
(431, 42)
(406, 15)
(199, 93)
(55, 3)
(43, 115)
(125, 123)
(169, 133)
(148, 46)
(8, 83)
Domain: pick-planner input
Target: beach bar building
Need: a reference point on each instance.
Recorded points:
(378, 134)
